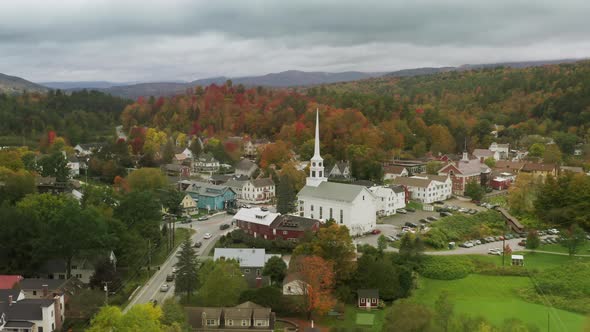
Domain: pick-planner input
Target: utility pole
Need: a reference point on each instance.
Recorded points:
(106, 291)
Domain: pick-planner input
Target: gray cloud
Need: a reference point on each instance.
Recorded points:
(154, 40)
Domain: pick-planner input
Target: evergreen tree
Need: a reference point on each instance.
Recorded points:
(285, 195)
(187, 276)
(276, 269)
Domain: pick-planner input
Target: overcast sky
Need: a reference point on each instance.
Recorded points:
(129, 40)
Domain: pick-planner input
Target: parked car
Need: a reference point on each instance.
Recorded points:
(402, 211)
(411, 224)
(463, 210)
(439, 203)
(495, 251)
(466, 245)
(154, 302)
(423, 220)
(170, 277)
(203, 218)
(410, 209)
(198, 244)
(207, 236)
(376, 231)
(445, 214)
(174, 270)
(490, 239)
(553, 231)
(432, 218)
(164, 288)
(391, 238)
(477, 242)
(223, 226)
(231, 211)
(472, 211)
(522, 243)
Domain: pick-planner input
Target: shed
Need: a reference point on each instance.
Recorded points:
(517, 260)
(368, 298)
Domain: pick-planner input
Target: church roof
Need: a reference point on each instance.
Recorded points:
(333, 191)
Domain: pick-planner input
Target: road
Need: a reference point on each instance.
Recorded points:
(151, 290)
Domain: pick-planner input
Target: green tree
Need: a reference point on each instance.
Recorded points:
(171, 200)
(376, 271)
(407, 316)
(55, 165)
(573, 238)
(16, 185)
(195, 147)
(276, 269)
(222, 283)
(381, 243)
(173, 312)
(140, 211)
(537, 150)
(411, 249)
(187, 275)
(168, 152)
(432, 167)
(147, 179)
(285, 195)
(552, 154)
(11, 159)
(443, 311)
(141, 317)
(474, 191)
(532, 240)
(490, 162)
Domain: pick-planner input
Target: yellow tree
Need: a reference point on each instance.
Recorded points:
(154, 140)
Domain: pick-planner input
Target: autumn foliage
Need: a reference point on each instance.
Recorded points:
(317, 278)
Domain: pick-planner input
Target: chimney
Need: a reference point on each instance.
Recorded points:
(9, 300)
(45, 290)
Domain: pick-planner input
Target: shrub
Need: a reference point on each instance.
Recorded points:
(446, 267)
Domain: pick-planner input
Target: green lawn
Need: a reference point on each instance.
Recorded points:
(495, 298)
(583, 249)
(355, 317)
(536, 260)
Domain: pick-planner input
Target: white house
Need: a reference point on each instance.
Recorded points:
(74, 166)
(394, 171)
(293, 285)
(503, 150)
(206, 163)
(389, 199)
(350, 205)
(258, 191)
(427, 188)
(20, 313)
(245, 167)
(483, 154)
(87, 149)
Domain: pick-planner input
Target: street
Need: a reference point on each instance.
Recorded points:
(151, 290)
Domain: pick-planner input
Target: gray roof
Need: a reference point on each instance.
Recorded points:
(31, 283)
(233, 183)
(296, 223)
(246, 257)
(368, 293)
(26, 309)
(17, 325)
(207, 189)
(397, 189)
(207, 157)
(245, 165)
(334, 191)
(238, 313)
(5, 293)
(265, 182)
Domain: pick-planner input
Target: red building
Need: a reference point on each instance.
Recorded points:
(499, 183)
(268, 225)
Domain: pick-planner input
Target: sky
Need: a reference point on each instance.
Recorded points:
(168, 40)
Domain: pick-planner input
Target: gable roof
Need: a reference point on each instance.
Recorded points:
(207, 189)
(510, 165)
(530, 167)
(245, 165)
(34, 283)
(256, 216)
(483, 153)
(264, 182)
(394, 169)
(297, 223)
(368, 293)
(397, 189)
(467, 167)
(334, 191)
(246, 257)
(5, 293)
(207, 158)
(341, 166)
(420, 180)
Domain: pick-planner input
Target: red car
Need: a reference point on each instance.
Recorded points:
(376, 231)
(522, 243)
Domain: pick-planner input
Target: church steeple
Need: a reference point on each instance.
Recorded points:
(316, 167)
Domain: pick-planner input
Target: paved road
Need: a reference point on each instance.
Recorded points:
(151, 290)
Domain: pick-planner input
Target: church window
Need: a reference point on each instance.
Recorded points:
(313, 174)
(330, 213)
(321, 212)
(313, 164)
(320, 173)
(311, 207)
(341, 216)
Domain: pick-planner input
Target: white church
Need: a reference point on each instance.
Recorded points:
(350, 205)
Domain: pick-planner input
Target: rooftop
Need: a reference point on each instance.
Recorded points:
(368, 293)
(334, 191)
(246, 257)
(8, 281)
(256, 215)
(32, 283)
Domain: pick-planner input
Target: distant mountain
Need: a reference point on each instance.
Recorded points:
(14, 85)
(81, 85)
(434, 70)
(290, 78)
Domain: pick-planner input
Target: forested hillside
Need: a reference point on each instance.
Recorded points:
(80, 117)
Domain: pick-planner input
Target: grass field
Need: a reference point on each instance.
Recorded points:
(583, 249)
(532, 260)
(495, 298)
(356, 318)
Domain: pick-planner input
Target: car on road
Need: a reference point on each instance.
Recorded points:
(207, 236)
(164, 288)
(522, 243)
(391, 238)
(495, 251)
(432, 218)
(477, 242)
(203, 218)
(223, 227)
(231, 211)
(445, 214)
(170, 277)
(154, 302)
(198, 244)
(411, 224)
(466, 245)
(402, 211)
(174, 270)
(376, 231)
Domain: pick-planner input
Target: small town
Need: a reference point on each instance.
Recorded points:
(179, 166)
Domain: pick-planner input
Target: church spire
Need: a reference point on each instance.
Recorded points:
(316, 166)
(316, 151)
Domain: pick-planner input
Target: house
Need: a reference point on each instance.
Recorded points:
(394, 171)
(31, 315)
(253, 147)
(188, 205)
(426, 188)
(38, 288)
(483, 154)
(517, 260)
(84, 150)
(293, 285)
(176, 170)
(245, 167)
(503, 150)
(464, 171)
(350, 205)
(412, 166)
(251, 260)
(500, 183)
(513, 167)
(539, 170)
(258, 191)
(368, 298)
(269, 225)
(74, 166)
(210, 196)
(206, 163)
(389, 199)
(341, 170)
(81, 268)
(247, 316)
(8, 281)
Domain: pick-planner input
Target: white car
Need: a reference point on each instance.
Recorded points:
(495, 251)
(164, 288)
(207, 236)
(174, 270)
(553, 231)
